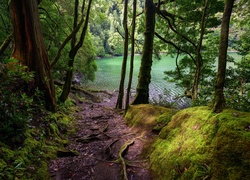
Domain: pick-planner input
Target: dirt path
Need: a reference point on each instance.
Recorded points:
(101, 136)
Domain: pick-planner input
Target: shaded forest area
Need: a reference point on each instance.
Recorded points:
(48, 49)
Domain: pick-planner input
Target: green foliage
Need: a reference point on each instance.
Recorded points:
(238, 85)
(85, 63)
(56, 18)
(15, 104)
(5, 25)
(30, 135)
(45, 136)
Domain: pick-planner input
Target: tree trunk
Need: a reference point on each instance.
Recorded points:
(142, 90)
(219, 99)
(74, 49)
(125, 57)
(29, 47)
(199, 63)
(132, 55)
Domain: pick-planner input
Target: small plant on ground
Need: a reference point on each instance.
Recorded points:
(30, 135)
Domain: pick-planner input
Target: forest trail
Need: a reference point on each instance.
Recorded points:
(105, 146)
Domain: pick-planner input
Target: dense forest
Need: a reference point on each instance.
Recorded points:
(49, 47)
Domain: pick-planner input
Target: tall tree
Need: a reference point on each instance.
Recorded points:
(29, 47)
(142, 90)
(219, 99)
(125, 56)
(132, 55)
(75, 46)
(198, 53)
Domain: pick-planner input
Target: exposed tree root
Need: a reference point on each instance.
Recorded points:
(88, 138)
(122, 159)
(108, 149)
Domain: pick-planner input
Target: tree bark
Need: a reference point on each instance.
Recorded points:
(219, 99)
(29, 47)
(132, 55)
(142, 91)
(75, 46)
(199, 62)
(125, 57)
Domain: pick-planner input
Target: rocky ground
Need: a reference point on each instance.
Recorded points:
(107, 149)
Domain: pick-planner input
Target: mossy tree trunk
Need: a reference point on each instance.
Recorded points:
(142, 90)
(219, 99)
(132, 55)
(75, 46)
(29, 47)
(125, 57)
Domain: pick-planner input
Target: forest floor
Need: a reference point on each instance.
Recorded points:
(103, 147)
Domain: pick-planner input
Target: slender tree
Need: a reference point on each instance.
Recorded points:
(142, 90)
(75, 46)
(29, 47)
(125, 57)
(198, 53)
(219, 99)
(186, 40)
(132, 55)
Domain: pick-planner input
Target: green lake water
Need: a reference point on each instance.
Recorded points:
(109, 73)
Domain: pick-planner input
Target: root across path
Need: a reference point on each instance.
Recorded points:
(104, 147)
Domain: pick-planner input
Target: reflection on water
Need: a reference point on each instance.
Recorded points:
(109, 73)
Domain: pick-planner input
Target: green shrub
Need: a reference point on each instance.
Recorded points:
(15, 104)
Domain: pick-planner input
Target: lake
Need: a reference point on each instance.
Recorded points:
(109, 73)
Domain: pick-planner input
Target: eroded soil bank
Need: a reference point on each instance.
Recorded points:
(104, 147)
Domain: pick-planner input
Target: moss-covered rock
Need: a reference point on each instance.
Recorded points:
(148, 116)
(199, 144)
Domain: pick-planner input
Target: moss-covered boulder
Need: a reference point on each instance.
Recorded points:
(199, 144)
(148, 116)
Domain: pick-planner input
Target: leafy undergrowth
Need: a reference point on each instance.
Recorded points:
(29, 135)
(43, 137)
(199, 144)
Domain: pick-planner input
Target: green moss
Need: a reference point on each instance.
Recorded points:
(148, 116)
(6, 154)
(41, 143)
(3, 165)
(42, 172)
(198, 144)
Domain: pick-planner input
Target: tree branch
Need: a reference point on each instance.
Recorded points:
(84, 30)
(175, 46)
(5, 43)
(164, 14)
(65, 42)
